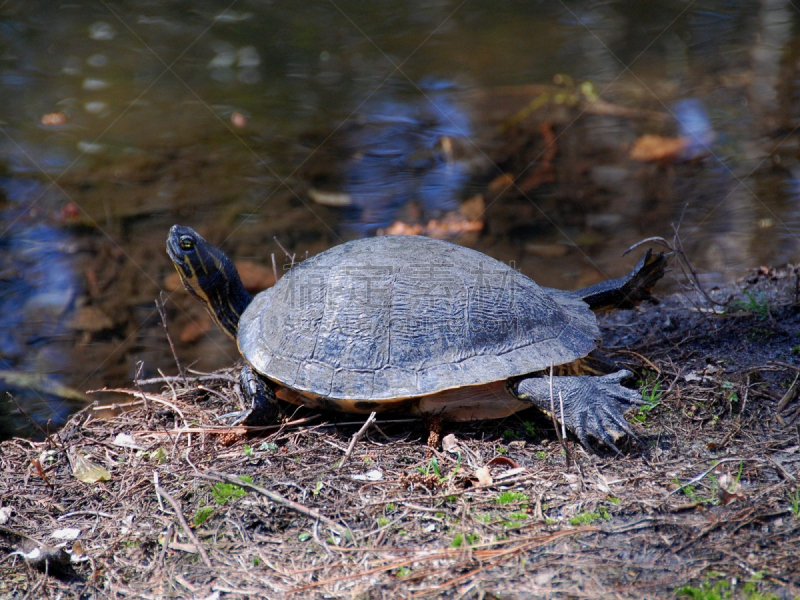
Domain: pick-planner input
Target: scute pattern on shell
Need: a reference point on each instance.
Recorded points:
(406, 316)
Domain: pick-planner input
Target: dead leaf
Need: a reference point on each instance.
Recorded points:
(450, 443)
(510, 473)
(729, 489)
(654, 148)
(86, 471)
(126, 441)
(66, 533)
(484, 477)
(543, 576)
(602, 485)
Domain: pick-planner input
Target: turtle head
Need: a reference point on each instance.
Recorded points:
(209, 275)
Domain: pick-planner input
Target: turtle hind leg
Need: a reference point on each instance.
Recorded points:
(627, 291)
(261, 397)
(592, 406)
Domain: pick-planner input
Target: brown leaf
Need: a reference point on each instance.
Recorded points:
(654, 148)
(503, 460)
(729, 489)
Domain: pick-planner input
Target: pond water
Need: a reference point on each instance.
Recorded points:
(551, 135)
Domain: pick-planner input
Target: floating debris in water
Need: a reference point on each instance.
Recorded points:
(102, 31)
(56, 118)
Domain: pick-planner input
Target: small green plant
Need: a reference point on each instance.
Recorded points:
(530, 429)
(248, 451)
(402, 572)
(755, 303)
(588, 518)
(256, 561)
(511, 497)
(202, 514)
(431, 467)
(713, 498)
(729, 389)
(796, 350)
(502, 450)
(225, 492)
(613, 500)
(690, 492)
(541, 455)
(510, 434)
(515, 519)
(383, 521)
(390, 507)
(304, 536)
(159, 456)
(722, 589)
(317, 489)
(794, 501)
(517, 516)
(651, 392)
(271, 446)
(459, 539)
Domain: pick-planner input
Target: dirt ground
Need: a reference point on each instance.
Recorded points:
(706, 505)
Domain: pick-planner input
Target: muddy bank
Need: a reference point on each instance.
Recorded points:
(709, 499)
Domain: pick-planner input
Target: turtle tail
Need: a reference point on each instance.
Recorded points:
(627, 291)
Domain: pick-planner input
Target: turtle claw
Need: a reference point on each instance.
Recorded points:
(234, 418)
(263, 405)
(593, 407)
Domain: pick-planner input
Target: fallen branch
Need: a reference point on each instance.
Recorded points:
(179, 514)
(358, 435)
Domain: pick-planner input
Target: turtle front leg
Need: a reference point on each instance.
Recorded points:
(259, 393)
(593, 406)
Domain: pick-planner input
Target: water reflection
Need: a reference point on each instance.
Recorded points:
(399, 163)
(39, 286)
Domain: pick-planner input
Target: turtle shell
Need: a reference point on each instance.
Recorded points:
(404, 316)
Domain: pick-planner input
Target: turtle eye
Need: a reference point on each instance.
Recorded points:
(187, 242)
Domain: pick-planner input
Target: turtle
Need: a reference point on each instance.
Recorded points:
(421, 326)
